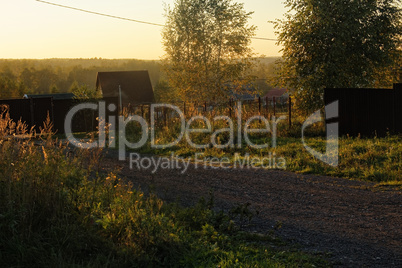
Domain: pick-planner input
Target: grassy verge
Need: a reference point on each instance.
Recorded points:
(375, 159)
(370, 159)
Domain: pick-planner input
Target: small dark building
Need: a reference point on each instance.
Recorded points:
(135, 86)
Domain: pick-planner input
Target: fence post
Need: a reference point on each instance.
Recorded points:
(266, 106)
(184, 109)
(274, 106)
(31, 104)
(149, 113)
(52, 115)
(205, 107)
(290, 112)
(164, 115)
(230, 108)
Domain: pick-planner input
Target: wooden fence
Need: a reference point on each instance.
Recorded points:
(367, 111)
(267, 107)
(34, 111)
(364, 112)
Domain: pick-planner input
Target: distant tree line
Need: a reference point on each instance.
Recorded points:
(19, 77)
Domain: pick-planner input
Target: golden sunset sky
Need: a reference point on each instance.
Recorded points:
(31, 29)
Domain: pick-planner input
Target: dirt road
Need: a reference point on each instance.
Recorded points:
(358, 225)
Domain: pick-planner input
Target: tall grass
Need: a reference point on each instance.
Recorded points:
(58, 209)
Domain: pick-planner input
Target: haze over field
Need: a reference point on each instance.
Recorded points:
(33, 29)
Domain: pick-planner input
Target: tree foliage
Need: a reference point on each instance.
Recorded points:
(337, 43)
(30, 76)
(85, 92)
(207, 48)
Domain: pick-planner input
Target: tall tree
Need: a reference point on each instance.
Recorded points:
(207, 48)
(337, 43)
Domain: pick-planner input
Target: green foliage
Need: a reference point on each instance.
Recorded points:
(19, 77)
(84, 92)
(57, 209)
(207, 48)
(9, 88)
(164, 93)
(337, 44)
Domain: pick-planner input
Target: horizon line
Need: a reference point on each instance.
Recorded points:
(101, 58)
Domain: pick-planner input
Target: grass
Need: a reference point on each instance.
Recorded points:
(377, 159)
(58, 210)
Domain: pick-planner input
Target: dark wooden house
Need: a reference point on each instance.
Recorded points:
(131, 87)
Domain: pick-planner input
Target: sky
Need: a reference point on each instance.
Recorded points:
(31, 29)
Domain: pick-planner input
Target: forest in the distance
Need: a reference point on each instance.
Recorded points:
(41, 76)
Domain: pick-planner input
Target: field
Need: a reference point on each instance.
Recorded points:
(59, 208)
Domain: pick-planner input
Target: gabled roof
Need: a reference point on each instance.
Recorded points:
(247, 92)
(135, 86)
(276, 92)
(55, 96)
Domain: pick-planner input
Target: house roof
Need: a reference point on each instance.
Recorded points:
(247, 92)
(135, 86)
(244, 96)
(55, 96)
(276, 92)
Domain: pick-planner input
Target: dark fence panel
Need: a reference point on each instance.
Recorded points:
(35, 111)
(19, 110)
(85, 120)
(398, 107)
(366, 111)
(61, 108)
(42, 107)
(31, 111)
